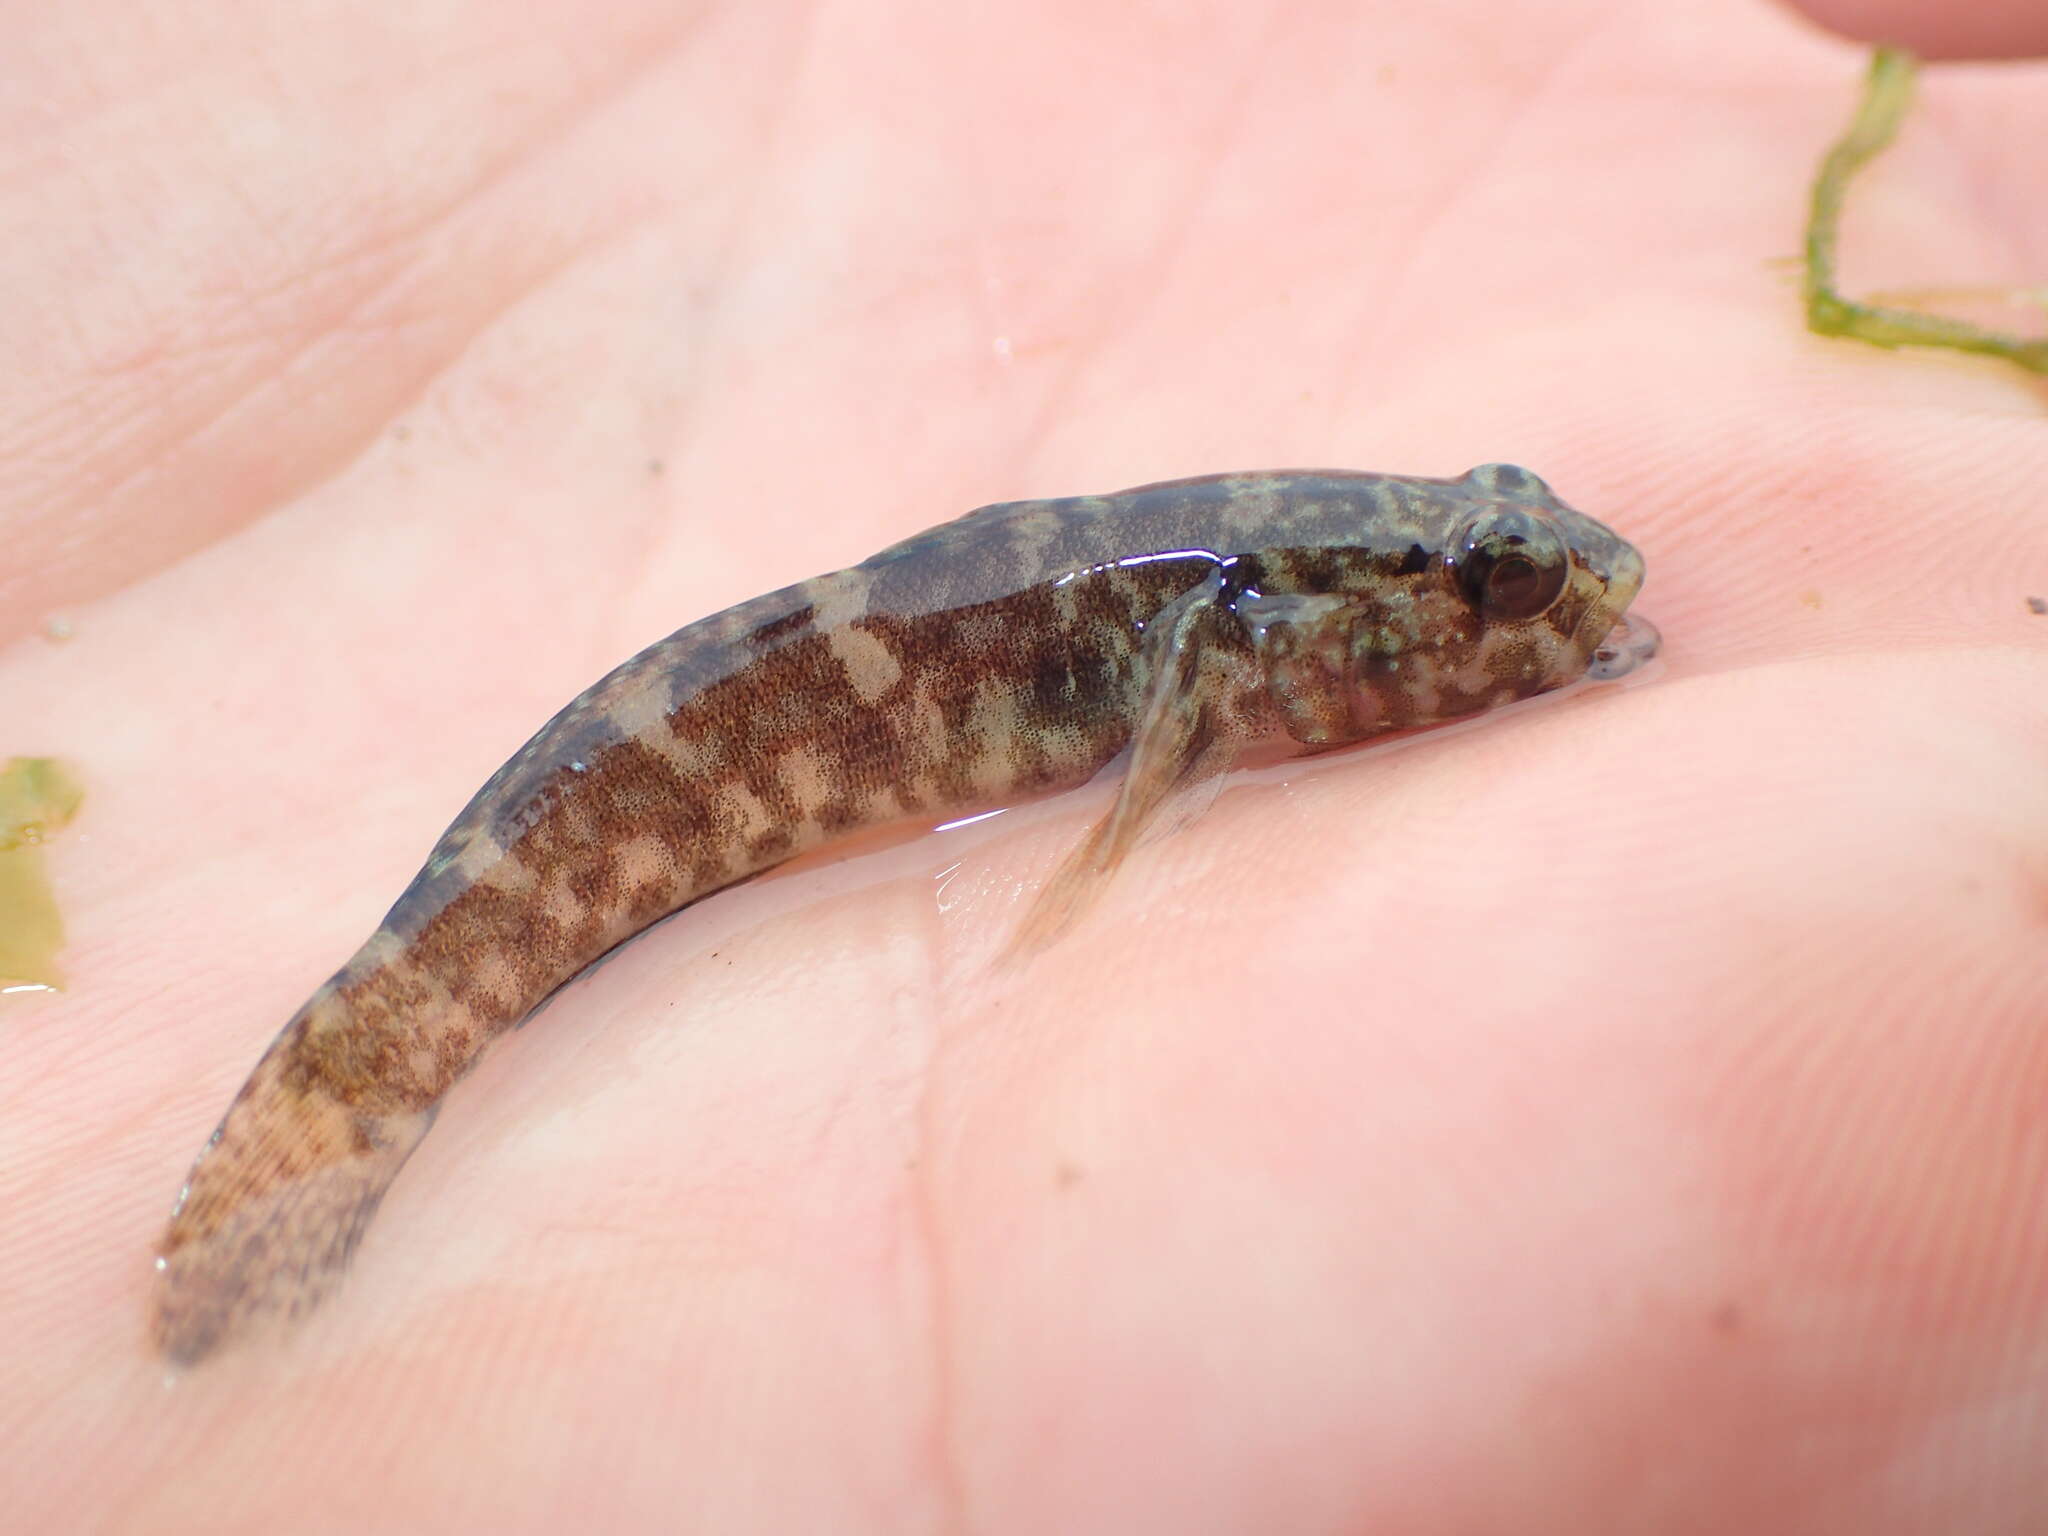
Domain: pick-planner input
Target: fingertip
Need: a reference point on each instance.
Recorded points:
(1937, 29)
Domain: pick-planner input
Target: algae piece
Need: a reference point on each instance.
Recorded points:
(1887, 94)
(38, 795)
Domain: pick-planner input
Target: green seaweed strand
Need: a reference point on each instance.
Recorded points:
(1887, 93)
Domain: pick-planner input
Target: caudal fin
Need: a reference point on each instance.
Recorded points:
(274, 1208)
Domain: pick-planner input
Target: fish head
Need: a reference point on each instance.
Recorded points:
(1462, 596)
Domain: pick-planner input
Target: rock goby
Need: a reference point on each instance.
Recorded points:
(1014, 651)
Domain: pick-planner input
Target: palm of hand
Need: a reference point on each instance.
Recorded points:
(1391, 1147)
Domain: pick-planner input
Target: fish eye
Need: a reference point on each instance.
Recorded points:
(1509, 565)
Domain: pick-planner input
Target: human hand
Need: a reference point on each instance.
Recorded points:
(1619, 1117)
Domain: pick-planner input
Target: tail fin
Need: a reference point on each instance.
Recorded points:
(272, 1211)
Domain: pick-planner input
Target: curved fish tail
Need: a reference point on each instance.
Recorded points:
(272, 1211)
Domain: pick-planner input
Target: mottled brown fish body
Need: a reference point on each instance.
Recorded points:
(1014, 651)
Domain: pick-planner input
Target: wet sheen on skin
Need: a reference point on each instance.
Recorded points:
(1014, 651)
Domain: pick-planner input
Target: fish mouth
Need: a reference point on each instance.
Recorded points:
(1631, 643)
(1613, 642)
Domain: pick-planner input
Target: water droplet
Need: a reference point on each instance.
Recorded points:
(943, 879)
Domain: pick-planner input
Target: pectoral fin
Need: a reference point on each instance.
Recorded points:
(1177, 747)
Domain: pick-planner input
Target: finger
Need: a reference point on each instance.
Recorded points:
(240, 249)
(1938, 29)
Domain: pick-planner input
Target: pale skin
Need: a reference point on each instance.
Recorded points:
(1625, 1116)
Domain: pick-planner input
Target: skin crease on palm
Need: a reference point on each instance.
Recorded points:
(1627, 1116)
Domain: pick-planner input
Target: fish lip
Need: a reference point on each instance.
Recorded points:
(1618, 566)
(1630, 643)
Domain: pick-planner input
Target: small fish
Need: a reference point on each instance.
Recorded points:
(1014, 651)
